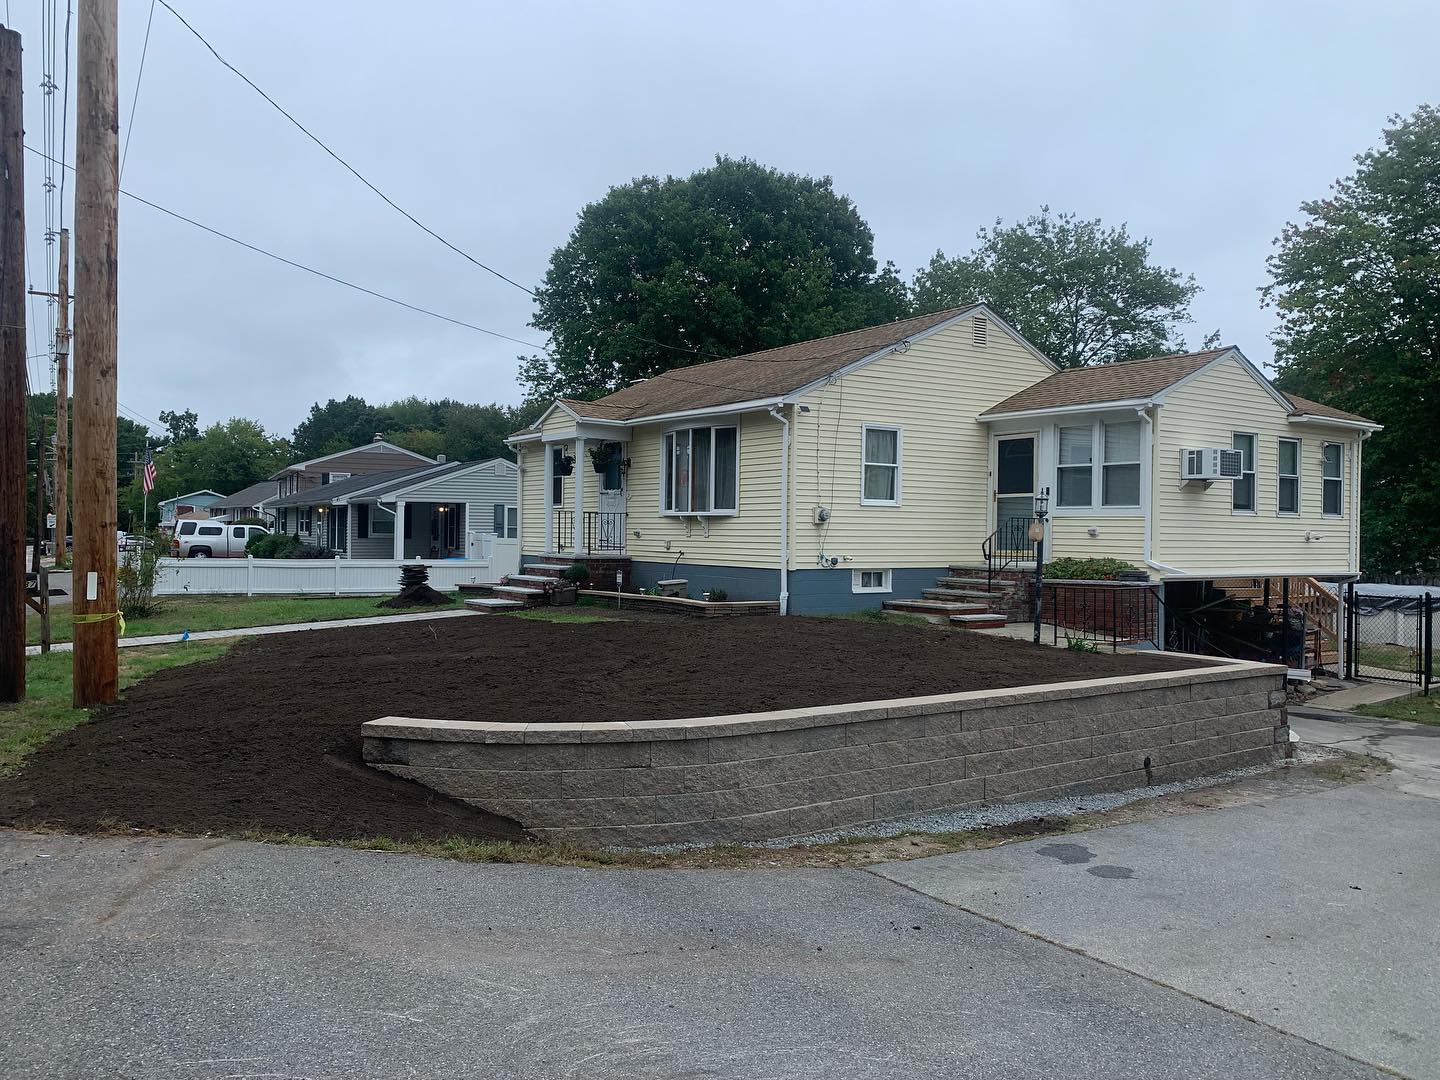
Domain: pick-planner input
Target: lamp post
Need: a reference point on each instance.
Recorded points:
(1037, 533)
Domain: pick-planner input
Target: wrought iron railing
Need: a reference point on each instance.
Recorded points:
(564, 530)
(604, 531)
(1006, 546)
(1112, 615)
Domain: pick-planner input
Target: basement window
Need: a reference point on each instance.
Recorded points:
(870, 581)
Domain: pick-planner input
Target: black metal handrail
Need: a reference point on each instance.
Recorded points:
(605, 530)
(1120, 614)
(1006, 546)
(564, 530)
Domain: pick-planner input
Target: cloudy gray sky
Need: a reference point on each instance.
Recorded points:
(1201, 125)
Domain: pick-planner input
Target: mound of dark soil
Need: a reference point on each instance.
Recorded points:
(415, 596)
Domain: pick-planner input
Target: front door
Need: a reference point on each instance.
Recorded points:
(610, 534)
(1014, 489)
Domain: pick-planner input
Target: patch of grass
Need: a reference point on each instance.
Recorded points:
(1419, 710)
(1389, 657)
(183, 613)
(543, 615)
(893, 618)
(46, 710)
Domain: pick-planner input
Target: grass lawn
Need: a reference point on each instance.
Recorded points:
(1420, 710)
(46, 710)
(546, 615)
(1389, 657)
(228, 613)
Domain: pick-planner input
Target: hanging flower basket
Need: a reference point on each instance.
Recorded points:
(603, 455)
(565, 465)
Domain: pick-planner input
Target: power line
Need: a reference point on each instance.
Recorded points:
(135, 100)
(349, 168)
(318, 273)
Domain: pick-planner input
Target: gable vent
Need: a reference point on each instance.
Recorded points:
(980, 331)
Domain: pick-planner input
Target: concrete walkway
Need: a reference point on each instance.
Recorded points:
(281, 628)
(1412, 749)
(1365, 693)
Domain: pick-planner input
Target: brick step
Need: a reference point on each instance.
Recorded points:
(935, 607)
(1001, 584)
(969, 596)
(492, 603)
(988, 621)
(1014, 572)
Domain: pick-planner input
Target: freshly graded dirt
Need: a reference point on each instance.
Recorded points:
(268, 736)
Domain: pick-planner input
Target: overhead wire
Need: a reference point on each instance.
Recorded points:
(135, 98)
(318, 273)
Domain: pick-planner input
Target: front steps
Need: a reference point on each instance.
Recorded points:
(966, 597)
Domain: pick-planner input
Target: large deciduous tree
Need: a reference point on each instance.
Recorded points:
(1356, 284)
(1080, 292)
(663, 273)
(338, 425)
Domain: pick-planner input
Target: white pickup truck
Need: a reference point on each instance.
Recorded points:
(212, 539)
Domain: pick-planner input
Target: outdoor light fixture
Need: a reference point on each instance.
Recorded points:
(1037, 533)
(1042, 503)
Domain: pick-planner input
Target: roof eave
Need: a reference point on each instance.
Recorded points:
(1334, 421)
(1061, 410)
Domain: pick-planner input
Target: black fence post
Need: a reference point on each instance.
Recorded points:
(1427, 637)
(1351, 627)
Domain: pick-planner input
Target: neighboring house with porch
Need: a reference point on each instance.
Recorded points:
(858, 469)
(248, 502)
(376, 456)
(443, 510)
(191, 503)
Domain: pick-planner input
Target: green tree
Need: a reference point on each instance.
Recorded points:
(338, 425)
(663, 273)
(1080, 292)
(224, 457)
(182, 426)
(1356, 284)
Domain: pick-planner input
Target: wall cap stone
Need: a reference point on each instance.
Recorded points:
(705, 727)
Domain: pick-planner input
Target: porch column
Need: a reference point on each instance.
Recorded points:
(579, 511)
(399, 529)
(546, 496)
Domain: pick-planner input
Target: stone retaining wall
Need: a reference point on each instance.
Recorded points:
(764, 775)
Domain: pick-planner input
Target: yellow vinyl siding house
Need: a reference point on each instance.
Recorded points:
(842, 473)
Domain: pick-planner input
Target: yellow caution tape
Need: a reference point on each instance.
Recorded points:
(101, 616)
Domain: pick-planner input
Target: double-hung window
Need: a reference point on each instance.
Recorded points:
(1287, 473)
(557, 476)
(701, 471)
(880, 465)
(1333, 494)
(1073, 474)
(1242, 491)
(1120, 483)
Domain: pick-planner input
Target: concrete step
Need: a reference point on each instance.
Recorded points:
(934, 607)
(988, 621)
(493, 603)
(519, 592)
(548, 568)
(531, 579)
(1014, 571)
(974, 583)
(972, 596)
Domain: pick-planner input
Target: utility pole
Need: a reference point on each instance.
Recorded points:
(39, 497)
(62, 406)
(97, 170)
(12, 371)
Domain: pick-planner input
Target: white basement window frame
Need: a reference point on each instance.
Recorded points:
(870, 581)
(1287, 477)
(1332, 479)
(880, 464)
(700, 471)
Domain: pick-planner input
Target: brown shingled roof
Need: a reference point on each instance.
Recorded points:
(1315, 408)
(1123, 380)
(754, 376)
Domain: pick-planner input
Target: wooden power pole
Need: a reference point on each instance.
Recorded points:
(97, 187)
(62, 405)
(12, 372)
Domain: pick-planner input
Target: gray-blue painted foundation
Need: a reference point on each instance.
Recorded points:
(812, 592)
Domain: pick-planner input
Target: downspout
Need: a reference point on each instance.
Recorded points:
(776, 413)
(1149, 421)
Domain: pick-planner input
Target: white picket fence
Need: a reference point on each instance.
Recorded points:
(323, 577)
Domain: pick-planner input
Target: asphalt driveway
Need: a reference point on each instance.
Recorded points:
(187, 959)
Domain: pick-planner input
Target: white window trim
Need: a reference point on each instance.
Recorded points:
(898, 466)
(1097, 505)
(1254, 473)
(664, 464)
(856, 587)
(1337, 479)
(511, 510)
(1297, 476)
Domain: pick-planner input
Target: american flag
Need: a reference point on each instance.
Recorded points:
(148, 476)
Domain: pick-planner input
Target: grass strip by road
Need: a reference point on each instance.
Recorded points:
(46, 710)
(229, 613)
(1418, 710)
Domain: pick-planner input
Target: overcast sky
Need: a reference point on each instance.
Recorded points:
(1203, 126)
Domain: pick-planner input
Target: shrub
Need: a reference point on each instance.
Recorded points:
(284, 546)
(576, 573)
(1080, 644)
(135, 577)
(718, 596)
(1086, 569)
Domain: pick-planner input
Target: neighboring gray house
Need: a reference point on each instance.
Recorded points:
(448, 510)
(191, 503)
(375, 457)
(248, 502)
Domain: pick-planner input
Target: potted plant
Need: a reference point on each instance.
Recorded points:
(565, 464)
(568, 591)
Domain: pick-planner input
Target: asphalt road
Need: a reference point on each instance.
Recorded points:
(187, 959)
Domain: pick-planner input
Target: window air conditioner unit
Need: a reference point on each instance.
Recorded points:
(1211, 463)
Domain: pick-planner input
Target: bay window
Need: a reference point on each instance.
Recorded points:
(879, 465)
(701, 471)
(1332, 473)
